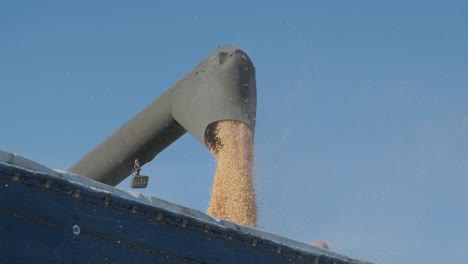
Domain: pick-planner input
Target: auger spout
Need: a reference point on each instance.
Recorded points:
(221, 87)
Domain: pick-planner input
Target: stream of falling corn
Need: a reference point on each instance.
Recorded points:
(233, 193)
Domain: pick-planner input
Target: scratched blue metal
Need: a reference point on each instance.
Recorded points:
(53, 217)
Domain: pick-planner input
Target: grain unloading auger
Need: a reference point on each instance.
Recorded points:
(221, 87)
(52, 216)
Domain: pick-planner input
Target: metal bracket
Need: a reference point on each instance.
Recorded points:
(138, 181)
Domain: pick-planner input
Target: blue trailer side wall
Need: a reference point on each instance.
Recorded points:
(48, 219)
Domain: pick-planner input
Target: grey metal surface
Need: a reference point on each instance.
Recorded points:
(221, 87)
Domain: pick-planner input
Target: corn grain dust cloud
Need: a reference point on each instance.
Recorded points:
(233, 194)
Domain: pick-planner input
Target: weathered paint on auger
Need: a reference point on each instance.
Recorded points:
(221, 87)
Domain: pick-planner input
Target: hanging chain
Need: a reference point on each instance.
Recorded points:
(136, 167)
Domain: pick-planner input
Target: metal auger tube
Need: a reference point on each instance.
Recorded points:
(221, 87)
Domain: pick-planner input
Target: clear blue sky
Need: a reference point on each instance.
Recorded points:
(362, 134)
